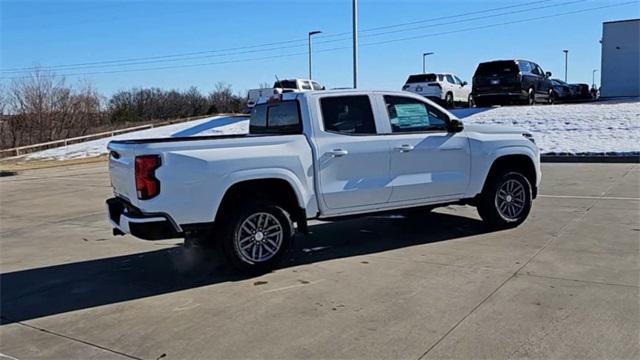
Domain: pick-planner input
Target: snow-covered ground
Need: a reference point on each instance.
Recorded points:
(217, 125)
(590, 128)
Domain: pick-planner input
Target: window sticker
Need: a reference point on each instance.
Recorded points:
(410, 115)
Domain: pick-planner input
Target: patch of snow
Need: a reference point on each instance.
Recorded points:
(587, 128)
(217, 125)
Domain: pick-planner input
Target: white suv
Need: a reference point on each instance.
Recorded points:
(446, 89)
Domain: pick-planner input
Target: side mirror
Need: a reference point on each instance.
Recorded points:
(464, 83)
(324, 88)
(455, 126)
(548, 74)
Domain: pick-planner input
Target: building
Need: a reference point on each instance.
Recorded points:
(620, 68)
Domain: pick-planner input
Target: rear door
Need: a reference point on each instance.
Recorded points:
(427, 161)
(353, 159)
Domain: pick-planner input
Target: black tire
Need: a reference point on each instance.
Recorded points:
(232, 233)
(552, 97)
(470, 102)
(448, 101)
(531, 98)
(490, 206)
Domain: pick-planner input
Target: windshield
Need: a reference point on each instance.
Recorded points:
(497, 68)
(421, 78)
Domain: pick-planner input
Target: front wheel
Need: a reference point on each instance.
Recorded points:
(506, 200)
(470, 101)
(531, 97)
(256, 237)
(552, 97)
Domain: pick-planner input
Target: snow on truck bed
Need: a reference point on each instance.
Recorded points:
(589, 128)
(217, 125)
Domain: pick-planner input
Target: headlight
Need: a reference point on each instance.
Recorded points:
(529, 137)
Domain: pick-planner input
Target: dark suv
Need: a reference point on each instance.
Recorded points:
(511, 81)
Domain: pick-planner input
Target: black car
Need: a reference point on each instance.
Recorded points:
(570, 92)
(561, 90)
(581, 92)
(511, 81)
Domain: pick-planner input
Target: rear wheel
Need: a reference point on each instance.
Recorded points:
(506, 200)
(257, 236)
(448, 101)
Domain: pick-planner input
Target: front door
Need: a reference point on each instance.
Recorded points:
(427, 161)
(353, 160)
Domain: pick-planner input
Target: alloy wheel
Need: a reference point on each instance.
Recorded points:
(510, 199)
(259, 237)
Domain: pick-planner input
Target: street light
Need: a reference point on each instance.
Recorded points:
(311, 33)
(354, 23)
(593, 78)
(566, 63)
(424, 61)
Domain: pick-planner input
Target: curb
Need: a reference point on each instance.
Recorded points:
(604, 158)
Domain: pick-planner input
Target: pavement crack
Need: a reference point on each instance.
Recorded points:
(513, 275)
(72, 339)
(581, 281)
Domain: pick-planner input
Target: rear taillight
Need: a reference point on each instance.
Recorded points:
(147, 185)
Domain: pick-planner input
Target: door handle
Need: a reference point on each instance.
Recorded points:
(338, 153)
(404, 148)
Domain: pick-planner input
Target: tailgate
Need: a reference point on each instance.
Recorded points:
(121, 170)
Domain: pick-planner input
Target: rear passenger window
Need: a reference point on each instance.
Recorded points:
(525, 66)
(305, 85)
(411, 115)
(276, 118)
(348, 115)
(450, 79)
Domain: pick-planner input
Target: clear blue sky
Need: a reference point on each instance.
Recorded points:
(51, 33)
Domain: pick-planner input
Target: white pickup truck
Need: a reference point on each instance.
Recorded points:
(318, 155)
(280, 87)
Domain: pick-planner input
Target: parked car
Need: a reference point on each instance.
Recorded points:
(561, 90)
(318, 155)
(282, 86)
(511, 81)
(445, 89)
(570, 92)
(581, 91)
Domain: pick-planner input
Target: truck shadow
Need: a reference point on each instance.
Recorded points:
(35, 293)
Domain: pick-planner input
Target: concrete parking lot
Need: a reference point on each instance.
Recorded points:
(563, 285)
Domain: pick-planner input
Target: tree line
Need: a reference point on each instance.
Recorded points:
(42, 107)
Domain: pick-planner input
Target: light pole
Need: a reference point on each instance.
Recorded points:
(424, 61)
(566, 63)
(354, 22)
(311, 33)
(593, 78)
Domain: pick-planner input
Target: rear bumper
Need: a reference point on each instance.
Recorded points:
(127, 219)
